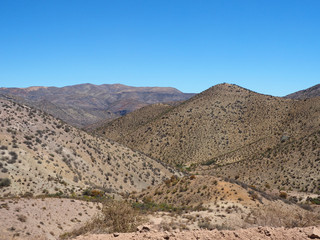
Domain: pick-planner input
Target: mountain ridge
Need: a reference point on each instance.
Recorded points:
(311, 92)
(43, 155)
(224, 123)
(85, 104)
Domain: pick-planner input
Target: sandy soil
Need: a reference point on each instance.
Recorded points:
(48, 218)
(43, 218)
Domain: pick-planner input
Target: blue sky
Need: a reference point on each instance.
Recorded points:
(269, 46)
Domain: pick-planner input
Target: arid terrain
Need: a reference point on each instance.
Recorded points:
(227, 163)
(306, 93)
(43, 218)
(221, 125)
(43, 155)
(120, 127)
(262, 233)
(85, 104)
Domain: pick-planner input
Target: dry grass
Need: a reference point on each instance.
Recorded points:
(226, 205)
(277, 214)
(191, 193)
(116, 216)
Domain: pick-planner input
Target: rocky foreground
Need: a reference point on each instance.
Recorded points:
(245, 234)
(251, 233)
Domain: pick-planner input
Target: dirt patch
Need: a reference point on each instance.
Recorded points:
(43, 218)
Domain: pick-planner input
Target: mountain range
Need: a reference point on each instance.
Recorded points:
(85, 104)
(230, 131)
(221, 120)
(226, 158)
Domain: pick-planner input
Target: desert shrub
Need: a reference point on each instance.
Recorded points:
(121, 216)
(116, 216)
(14, 155)
(174, 178)
(167, 182)
(86, 192)
(210, 162)
(205, 224)
(293, 199)
(254, 196)
(22, 218)
(5, 182)
(96, 193)
(67, 129)
(314, 200)
(147, 199)
(75, 179)
(93, 192)
(27, 137)
(283, 195)
(27, 195)
(275, 215)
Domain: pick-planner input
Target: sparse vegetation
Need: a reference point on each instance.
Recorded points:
(41, 149)
(206, 138)
(283, 195)
(115, 217)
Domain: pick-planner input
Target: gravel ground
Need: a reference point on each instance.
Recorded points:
(45, 218)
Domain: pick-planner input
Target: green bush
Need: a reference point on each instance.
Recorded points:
(314, 200)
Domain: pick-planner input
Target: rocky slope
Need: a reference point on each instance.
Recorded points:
(292, 165)
(40, 154)
(84, 104)
(211, 203)
(221, 125)
(120, 127)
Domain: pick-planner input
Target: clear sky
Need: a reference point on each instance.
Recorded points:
(269, 46)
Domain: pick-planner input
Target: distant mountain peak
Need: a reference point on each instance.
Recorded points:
(311, 92)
